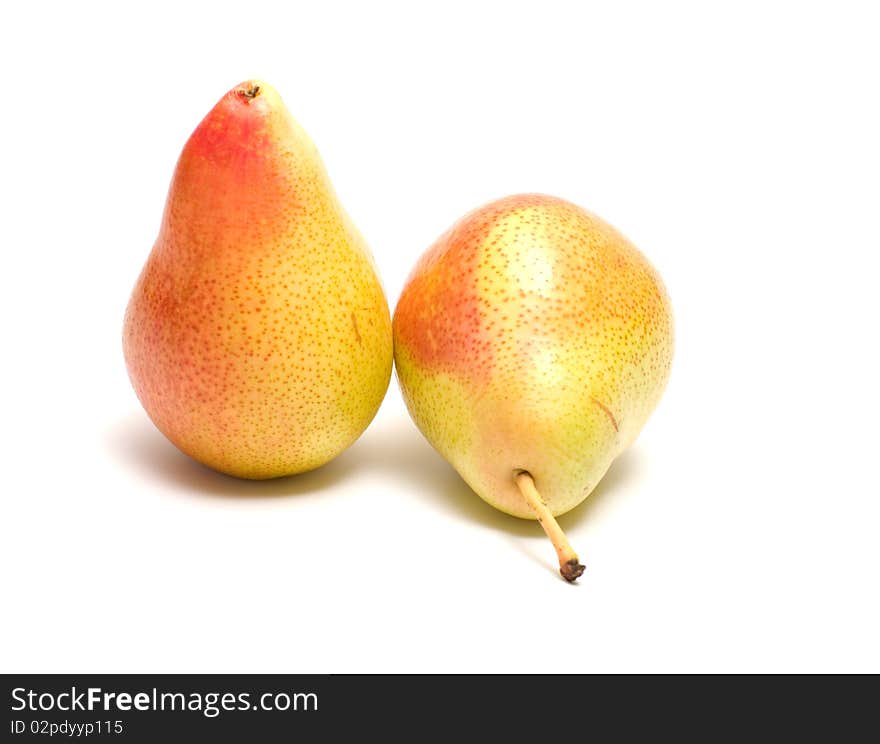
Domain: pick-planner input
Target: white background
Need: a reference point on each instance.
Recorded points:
(736, 144)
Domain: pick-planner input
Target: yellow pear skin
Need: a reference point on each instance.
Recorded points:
(532, 342)
(258, 337)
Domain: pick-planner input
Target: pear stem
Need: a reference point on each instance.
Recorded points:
(569, 566)
(252, 91)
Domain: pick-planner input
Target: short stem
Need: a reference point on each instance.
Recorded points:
(251, 91)
(569, 566)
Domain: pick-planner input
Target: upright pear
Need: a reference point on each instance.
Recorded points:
(532, 341)
(258, 337)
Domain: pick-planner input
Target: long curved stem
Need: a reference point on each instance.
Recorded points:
(569, 566)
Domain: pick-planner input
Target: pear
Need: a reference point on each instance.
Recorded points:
(258, 337)
(532, 342)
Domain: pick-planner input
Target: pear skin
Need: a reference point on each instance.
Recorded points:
(532, 342)
(258, 337)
